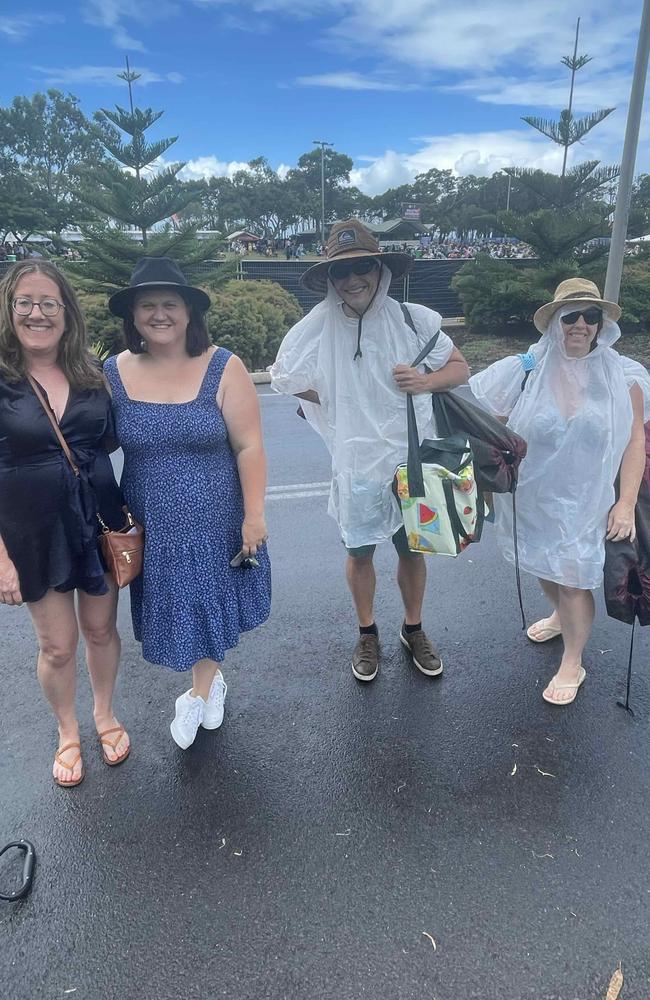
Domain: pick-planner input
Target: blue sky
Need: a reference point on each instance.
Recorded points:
(398, 85)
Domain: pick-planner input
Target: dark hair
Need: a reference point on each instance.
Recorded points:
(78, 364)
(197, 338)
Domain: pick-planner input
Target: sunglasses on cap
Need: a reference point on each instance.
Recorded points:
(344, 268)
(591, 316)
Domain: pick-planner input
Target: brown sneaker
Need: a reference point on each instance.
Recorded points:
(424, 653)
(365, 659)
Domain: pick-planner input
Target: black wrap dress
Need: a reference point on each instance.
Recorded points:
(48, 516)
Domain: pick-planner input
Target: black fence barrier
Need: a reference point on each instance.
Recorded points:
(428, 282)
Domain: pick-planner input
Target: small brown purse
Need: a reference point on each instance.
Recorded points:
(123, 549)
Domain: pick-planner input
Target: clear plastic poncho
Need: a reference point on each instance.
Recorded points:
(576, 416)
(362, 413)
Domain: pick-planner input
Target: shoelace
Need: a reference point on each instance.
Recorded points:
(191, 710)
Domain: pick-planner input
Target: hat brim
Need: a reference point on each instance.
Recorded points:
(121, 303)
(545, 313)
(315, 277)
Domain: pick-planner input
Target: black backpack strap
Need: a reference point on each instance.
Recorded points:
(432, 343)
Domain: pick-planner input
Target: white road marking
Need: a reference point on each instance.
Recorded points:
(296, 491)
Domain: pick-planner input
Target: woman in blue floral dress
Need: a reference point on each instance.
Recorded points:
(188, 421)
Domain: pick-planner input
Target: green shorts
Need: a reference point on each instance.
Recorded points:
(399, 541)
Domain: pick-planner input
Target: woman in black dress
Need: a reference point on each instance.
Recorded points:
(48, 516)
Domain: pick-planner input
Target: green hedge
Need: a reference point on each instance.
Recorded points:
(250, 318)
(499, 298)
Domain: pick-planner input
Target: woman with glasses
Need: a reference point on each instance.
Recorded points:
(581, 407)
(48, 514)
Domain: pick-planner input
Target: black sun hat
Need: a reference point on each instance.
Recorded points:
(349, 240)
(152, 272)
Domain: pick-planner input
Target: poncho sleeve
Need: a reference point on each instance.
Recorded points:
(636, 374)
(427, 323)
(295, 368)
(498, 388)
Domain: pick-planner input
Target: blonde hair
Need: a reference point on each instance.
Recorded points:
(77, 363)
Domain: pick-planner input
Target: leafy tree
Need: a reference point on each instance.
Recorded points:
(47, 138)
(569, 130)
(131, 194)
(128, 189)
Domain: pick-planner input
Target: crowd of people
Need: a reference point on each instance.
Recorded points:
(186, 416)
(460, 249)
(11, 252)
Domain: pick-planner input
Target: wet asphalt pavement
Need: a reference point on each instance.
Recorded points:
(409, 839)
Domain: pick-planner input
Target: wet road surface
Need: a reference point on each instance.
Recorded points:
(409, 839)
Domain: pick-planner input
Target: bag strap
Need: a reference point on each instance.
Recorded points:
(414, 465)
(55, 427)
(429, 347)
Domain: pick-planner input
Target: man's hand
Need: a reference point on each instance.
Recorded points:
(411, 380)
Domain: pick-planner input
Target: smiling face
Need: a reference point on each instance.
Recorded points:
(161, 316)
(357, 290)
(38, 335)
(579, 333)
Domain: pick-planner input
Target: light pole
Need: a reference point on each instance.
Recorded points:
(622, 211)
(322, 144)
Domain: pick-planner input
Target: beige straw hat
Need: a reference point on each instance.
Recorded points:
(574, 291)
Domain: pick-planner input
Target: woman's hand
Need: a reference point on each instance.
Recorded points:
(9, 583)
(620, 523)
(253, 534)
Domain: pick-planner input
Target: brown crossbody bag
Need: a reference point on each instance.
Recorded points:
(123, 549)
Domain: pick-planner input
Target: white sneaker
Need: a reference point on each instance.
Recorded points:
(189, 713)
(213, 711)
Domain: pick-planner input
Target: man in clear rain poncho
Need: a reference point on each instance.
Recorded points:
(349, 360)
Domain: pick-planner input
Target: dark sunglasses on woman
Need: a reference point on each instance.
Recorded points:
(344, 268)
(591, 316)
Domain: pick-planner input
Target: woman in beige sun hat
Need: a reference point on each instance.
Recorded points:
(581, 407)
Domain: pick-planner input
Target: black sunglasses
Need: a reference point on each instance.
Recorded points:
(344, 269)
(591, 316)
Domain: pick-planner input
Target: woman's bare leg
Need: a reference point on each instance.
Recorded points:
(553, 621)
(97, 617)
(203, 674)
(576, 614)
(55, 623)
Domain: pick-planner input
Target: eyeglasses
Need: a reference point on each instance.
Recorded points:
(343, 269)
(24, 306)
(591, 316)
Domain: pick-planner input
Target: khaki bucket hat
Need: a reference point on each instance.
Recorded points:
(574, 291)
(348, 240)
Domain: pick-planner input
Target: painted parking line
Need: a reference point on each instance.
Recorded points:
(296, 491)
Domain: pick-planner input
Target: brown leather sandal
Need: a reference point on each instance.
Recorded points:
(121, 731)
(69, 767)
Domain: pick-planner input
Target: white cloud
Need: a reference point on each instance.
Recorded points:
(111, 14)
(497, 51)
(352, 81)
(481, 153)
(19, 27)
(100, 75)
(210, 166)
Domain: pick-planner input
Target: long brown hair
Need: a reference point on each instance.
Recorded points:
(77, 363)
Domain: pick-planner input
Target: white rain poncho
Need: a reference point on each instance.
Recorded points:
(576, 417)
(362, 413)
